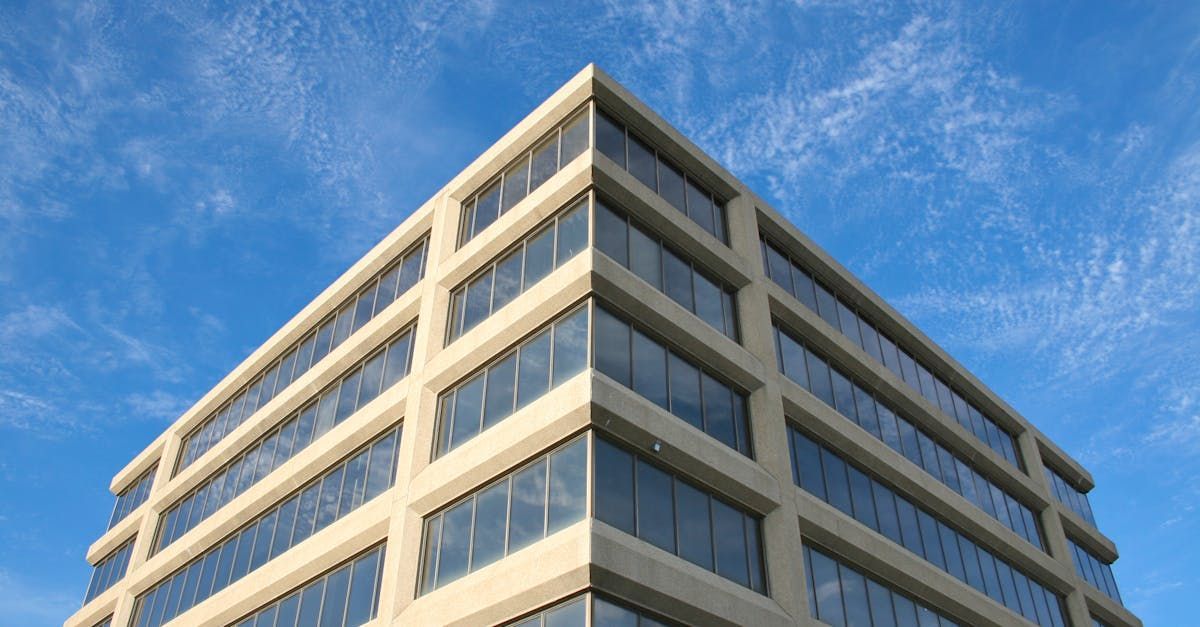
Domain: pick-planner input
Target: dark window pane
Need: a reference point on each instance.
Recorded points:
(534, 370)
(283, 530)
(971, 563)
(325, 412)
(949, 475)
(614, 486)
(487, 208)
(642, 164)
(927, 388)
(361, 605)
(397, 360)
(343, 327)
(572, 233)
(843, 393)
(574, 139)
(930, 540)
(889, 429)
(568, 486)
(718, 410)
(862, 497)
(909, 368)
(650, 369)
(709, 305)
(612, 234)
(880, 599)
(348, 396)
(885, 510)
(678, 275)
(310, 603)
(411, 271)
(245, 549)
(331, 487)
(337, 585)
(695, 527)
(828, 589)
(645, 257)
(929, 456)
(539, 257)
(527, 520)
(501, 385)
(387, 289)
(808, 461)
(827, 305)
(363, 308)
(605, 614)
(262, 548)
(655, 509)
(433, 532)
(354, 485)
(777, 266)
(910, 532)
(468, 408)
(570, 615)
(791, 358)
(491, 515)
(478, 301)
(306, 514)
(866, 411)
(610, 139)
(670, 186)
(911, 441)
(891, 355)
(372, 375)
(906, 611)
(730, 534)
(516, 184)
(545, 162)
(818, 377)
(454, 320)
(380, 468)
(700, 208)
(612, 347)
(456, 541)
(570, 345)
(754, 547)
(854, 595)
(508, 280)
(836, 484)
(685, 390)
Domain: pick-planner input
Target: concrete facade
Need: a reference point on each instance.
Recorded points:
(589, 554)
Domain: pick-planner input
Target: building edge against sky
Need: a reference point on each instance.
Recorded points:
(655, 391)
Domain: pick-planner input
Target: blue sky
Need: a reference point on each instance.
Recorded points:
(179, 179)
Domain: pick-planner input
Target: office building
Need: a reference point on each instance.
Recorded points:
(597, 380)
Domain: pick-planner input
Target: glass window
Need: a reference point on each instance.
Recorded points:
(545, 162)
(610, 138)
(612, 347)
(695, 527)
(572, 233)
(730, 534)
(862, 498)
(539, 256)
(700, 208)
(678, 274)
(371, 378)
(685, 391)
(468, 411)
(836, 483)
(528, 509)
(655, 513)
(508, 279)
(818, 377)
(808, 462)
(348, 396)
(642, 163)
(854, 595)
(650, 370)
(478, 301)
(455, 542)
(534, 372)
(867, 416)
(885, 509)
(708, 302)
(310, 603)
(568, 487)
(364, 583)
(614, 486)
(501, 386)
(491, 520)
(718, 410)
(670, 181)
(397, 360)
(337, 586)
(843, 393)
(570, 346)
(645, 257)
(612, 234)
(828, 589)
(516, 184)
(487, 208)
(574, 139)
(570, 615)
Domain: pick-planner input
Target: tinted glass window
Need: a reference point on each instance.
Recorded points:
(642, 163)
(645, 257)
(612, 347)
(534, 373)
(685, 391)
(614, 486)
(612, 234)
(610, 139)
(678, 275)
(655, 513)
(574, 139)
(539, 257)
(671, 186)
(527, 517)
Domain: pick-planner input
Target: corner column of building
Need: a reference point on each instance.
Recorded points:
(781, 530)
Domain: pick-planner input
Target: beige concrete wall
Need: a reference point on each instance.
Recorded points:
(590, 554)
